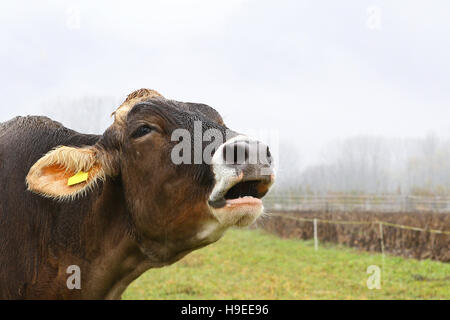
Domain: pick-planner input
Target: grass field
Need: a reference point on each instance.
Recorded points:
(252, 264)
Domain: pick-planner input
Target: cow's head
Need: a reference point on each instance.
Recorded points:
(185, 176)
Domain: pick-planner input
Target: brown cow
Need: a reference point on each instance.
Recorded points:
(101, 210)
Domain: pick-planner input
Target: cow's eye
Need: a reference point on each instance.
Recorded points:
(142, 131)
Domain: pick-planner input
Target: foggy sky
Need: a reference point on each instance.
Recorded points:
(314, 71)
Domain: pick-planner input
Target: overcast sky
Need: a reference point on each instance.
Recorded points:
(313, 71)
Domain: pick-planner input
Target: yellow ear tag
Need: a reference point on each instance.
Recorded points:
(80, 177)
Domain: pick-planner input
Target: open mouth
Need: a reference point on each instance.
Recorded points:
(243, 193)
(240, 182)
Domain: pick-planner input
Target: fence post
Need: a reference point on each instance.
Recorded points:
(316, 240)
(380, 224)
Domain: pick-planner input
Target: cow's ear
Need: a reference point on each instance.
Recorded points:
(67, 172)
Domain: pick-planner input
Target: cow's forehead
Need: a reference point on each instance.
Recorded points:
(142, 96)
(177, 113)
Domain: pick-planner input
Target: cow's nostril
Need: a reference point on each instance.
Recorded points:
(236, 153)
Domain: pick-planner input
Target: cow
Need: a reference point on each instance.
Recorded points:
(103, 209)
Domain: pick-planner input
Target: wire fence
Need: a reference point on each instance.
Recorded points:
(394, 225)
(409, 226)
(367, 203)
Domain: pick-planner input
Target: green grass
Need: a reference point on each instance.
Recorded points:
(250, 264)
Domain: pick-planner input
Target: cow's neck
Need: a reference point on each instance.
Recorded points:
(112, 271)
(113, 259)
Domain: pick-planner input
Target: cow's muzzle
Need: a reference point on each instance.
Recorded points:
(243, 170)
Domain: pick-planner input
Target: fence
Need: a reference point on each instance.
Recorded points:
(416, 235)
(394, 225)
(365, 203)
(410, 226)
